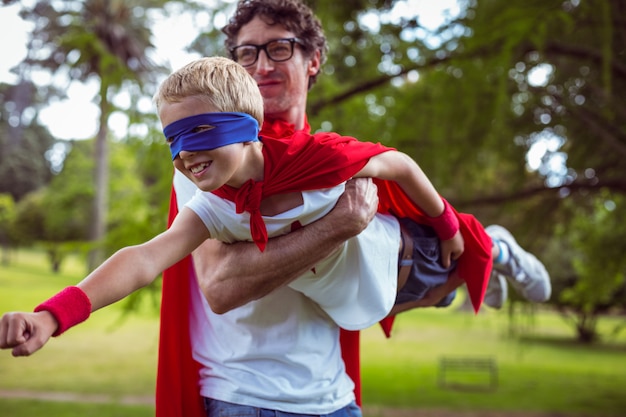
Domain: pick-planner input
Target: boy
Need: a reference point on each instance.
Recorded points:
(174, 95)
(218, 150)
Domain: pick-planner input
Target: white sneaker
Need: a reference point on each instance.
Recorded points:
(524, 271)
(497, 290)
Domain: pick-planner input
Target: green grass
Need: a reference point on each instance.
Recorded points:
(540, 367)
(110, 354)
(543, 371)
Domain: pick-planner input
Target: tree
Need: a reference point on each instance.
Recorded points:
(58, 217)
(23, 141)
(474, 109)
(595, 239)
(7, 217)
(106, 39)
(477, 100)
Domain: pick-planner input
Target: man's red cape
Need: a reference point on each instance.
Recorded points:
(294, 162)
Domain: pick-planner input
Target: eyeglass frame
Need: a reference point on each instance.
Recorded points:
(292, 42)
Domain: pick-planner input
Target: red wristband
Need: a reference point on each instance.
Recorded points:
(69, 307)
(446, 224)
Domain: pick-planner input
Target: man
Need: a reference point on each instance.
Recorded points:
(283, 332)
(241, 292)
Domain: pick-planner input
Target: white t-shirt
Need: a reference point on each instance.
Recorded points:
(356, 285)
(283, 350)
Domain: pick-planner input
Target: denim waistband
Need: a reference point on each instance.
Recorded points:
(216, 408)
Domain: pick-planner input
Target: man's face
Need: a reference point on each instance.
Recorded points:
(283, 85)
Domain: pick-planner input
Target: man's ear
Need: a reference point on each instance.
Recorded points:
(314, 64)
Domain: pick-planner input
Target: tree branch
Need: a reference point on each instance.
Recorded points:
(612, 184)
(582, 53)
(366, 86)
(550, 48)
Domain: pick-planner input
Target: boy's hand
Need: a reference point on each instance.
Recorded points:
(26, 333)
(452, 249)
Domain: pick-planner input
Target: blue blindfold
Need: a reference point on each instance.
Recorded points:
(228, 128)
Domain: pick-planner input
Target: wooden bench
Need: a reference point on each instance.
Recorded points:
(469, 373)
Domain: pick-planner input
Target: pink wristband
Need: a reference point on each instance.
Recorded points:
(69, 307)
(446, 224)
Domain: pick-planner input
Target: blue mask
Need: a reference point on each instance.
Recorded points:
(228, 128)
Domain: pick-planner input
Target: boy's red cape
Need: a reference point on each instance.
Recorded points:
(295, 161)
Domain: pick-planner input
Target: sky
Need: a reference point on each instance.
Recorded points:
(76, 117)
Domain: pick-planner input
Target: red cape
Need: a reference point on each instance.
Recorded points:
(298, 162)
(177, 392)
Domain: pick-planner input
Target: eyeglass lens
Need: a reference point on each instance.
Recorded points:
(278, 50)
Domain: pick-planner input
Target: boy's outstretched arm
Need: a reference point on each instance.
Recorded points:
(233, 275)
(127, 270)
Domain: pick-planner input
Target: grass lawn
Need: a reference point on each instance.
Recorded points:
(543, 371)
(540, 369)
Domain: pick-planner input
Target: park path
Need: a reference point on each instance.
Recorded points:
(371, 411)
(78, 397)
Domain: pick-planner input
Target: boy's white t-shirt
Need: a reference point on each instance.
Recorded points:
(356, 285)
(277, 351)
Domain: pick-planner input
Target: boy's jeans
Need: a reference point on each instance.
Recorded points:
(215, 408)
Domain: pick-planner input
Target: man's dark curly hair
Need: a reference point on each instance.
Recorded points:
(293, 15)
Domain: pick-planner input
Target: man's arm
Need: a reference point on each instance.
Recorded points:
(231, 275)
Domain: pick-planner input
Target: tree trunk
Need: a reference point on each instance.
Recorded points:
(101, 184)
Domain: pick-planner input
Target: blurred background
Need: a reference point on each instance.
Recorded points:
(516, 110)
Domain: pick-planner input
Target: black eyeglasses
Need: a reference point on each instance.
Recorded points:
(278, 50)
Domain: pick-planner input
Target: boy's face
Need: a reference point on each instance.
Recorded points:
(283, 85)
(208, 169)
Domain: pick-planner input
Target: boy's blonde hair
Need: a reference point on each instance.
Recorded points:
(218, 81)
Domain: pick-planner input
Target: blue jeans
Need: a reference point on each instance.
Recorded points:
(215, 408)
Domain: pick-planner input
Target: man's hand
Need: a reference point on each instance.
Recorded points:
(26, 333)
(356, 207)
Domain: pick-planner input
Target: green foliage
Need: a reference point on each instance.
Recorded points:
(599, 267)
(130, 216)
(29, 220)
(7, 215)
(7, 219)
(59, 216)
(470, 110)
(23, 141)
(69, 197)
(148, 159)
